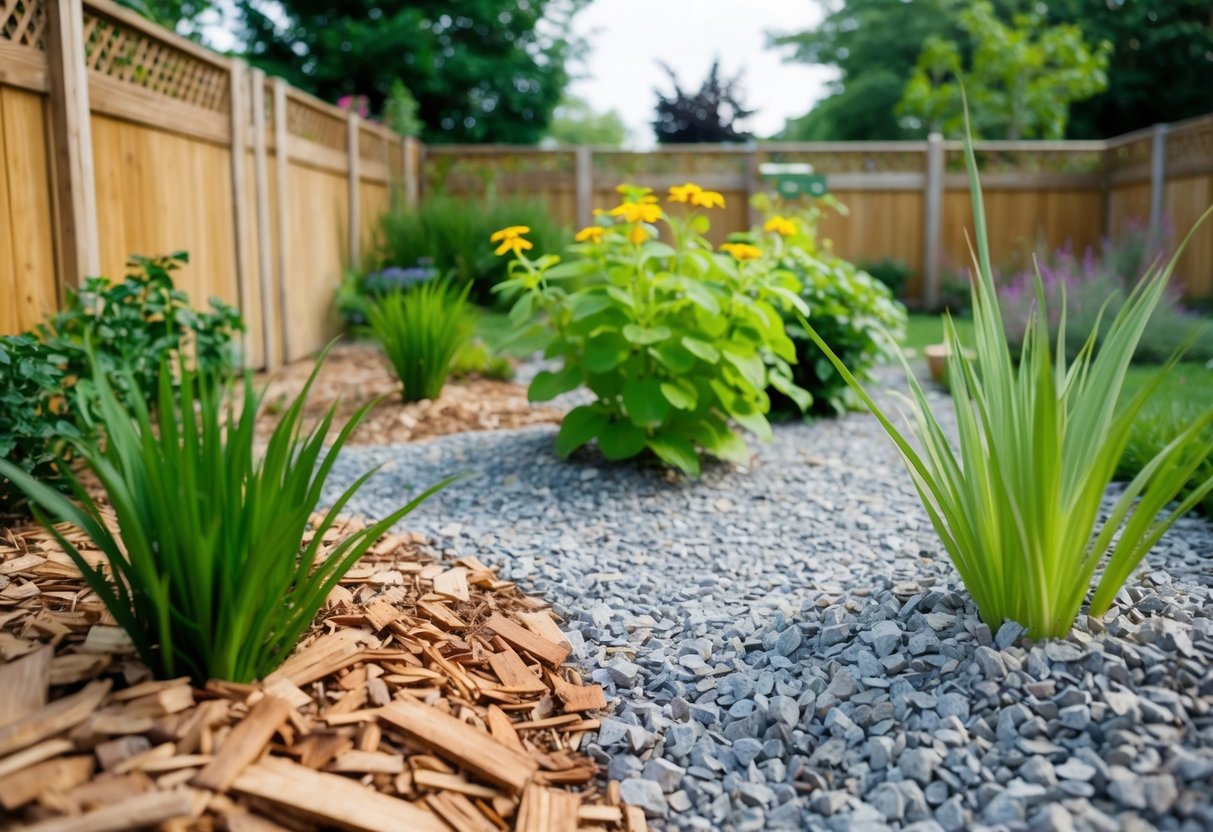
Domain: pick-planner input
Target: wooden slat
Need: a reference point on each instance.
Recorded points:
(523, 639)
(23, 67)
(117, 98)
(462, 744)
(332, 798)
(135, 813)
(244, 745)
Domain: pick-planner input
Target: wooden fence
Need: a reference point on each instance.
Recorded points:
(907, 200)
(117, 137)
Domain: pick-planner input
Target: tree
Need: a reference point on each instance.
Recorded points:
(575, 122)
(480, 70)
(1162, 62)
(709, 115)
(874, 44)
(1020, 81)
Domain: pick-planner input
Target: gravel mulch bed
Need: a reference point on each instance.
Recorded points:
(787, 646)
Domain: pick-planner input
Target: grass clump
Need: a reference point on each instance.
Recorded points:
(421, 331)
(207, 570)
(1018, 500)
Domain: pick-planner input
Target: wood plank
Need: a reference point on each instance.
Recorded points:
(332, 798)
(462, 744)
(513, 672)
(55, 718)
(244, 744)
(134, 813)
(58, 775)
(23, 67)
(548, 810)
(24, 683)
(523, 639)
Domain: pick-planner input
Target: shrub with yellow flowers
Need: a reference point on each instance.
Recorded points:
(679, 342)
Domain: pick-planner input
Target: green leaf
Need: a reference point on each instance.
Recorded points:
(674, 356)
(605, 351)
(585, 304)
(802, 398)
(548, 385)
(644, 402)
(677, 451)
(579, 426)
(701, 349)
(621, 440)
(750, 366)
(681, 395)
(756, 424)
(643, 335)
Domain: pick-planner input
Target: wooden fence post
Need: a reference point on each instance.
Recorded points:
(933, 210)
(354, 174)
(281, 172)
(71, 145)
(583, 183)
(414, 162)
(1158, 179)
(753, 182)
(261, 186)
(239, 89)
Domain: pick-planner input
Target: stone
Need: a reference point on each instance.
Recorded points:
(746, 750)
(622, 671)
(788, 641)
(646, 794)
(888, 800)
(919, 764)
(1074, 769)
(1003, 809)
(1052, 817)
(612, 732)
(663, 773)
(886, 636)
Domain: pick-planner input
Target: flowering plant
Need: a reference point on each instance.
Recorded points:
(678, 342)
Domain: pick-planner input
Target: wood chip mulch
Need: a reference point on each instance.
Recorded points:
(357, 372)
(427, 696)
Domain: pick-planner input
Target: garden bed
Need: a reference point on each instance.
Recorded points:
(426, 690)
(356, 373)
(787, 646)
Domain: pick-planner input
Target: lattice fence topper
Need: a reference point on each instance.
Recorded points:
(1190, 142)
(114, 50)
(23, 22)
(1130, 155)
(315, 125)
(854, 161)
(371, 145)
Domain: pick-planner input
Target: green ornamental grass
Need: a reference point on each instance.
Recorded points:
(207, 570)
(421, 330)
(1018, 499)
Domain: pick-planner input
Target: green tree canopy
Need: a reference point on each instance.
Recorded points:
(1020, 80)
(576, 122)
(480, 70)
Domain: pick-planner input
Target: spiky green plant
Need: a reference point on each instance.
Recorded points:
(208, 573)
(1017, 501)
(420, 331)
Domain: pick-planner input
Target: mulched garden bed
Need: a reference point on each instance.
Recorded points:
(427, 695)
(357, 372)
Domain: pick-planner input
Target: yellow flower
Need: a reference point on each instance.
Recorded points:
(782, 226)
(593, 233)
(683, 193)
(638, 234)
(742, 251)
(637, 212)
(707, 199)
(511, 239)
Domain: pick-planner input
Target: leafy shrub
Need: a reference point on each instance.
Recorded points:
(36, 414)
(475, 358)
(1018, 502)
(421, 331)
(892, 273)
(1096, 286)
(358, 289)
(1156, 428)
(140, 323)
(448, 234)
(674, 339)
(211, 575)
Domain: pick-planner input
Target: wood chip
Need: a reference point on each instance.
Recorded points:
(59, 774)
(55, 718)
(135, 813)
(24, 683)
(244, 744)
(523, 639)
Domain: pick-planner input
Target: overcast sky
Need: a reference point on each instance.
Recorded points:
(628, 37)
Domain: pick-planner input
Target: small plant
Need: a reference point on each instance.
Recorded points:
(421, 331)
(1018, 501)
(36, 414)
(358, 289)
(139, 323)
(1154, 430)
(676, 341)
(448, 234)
(210, 573)
(892, 273)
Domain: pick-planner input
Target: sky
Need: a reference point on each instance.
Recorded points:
(627, 38)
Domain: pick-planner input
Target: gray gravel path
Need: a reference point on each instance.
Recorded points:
(787, 647)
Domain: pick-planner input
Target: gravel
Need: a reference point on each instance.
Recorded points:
(785, 645)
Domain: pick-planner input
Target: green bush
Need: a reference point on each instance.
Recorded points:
(1153, 431)
(892, 273)
(448, 233)
(1017, 497)
(210, 573)
(674, 340)
(141, 322)
(37, 415)
(421, 330)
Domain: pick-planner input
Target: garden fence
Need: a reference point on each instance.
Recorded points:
(118, 137)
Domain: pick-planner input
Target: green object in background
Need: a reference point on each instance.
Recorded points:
(792, 181)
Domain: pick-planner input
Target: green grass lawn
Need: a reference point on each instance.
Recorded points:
(923, 330)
